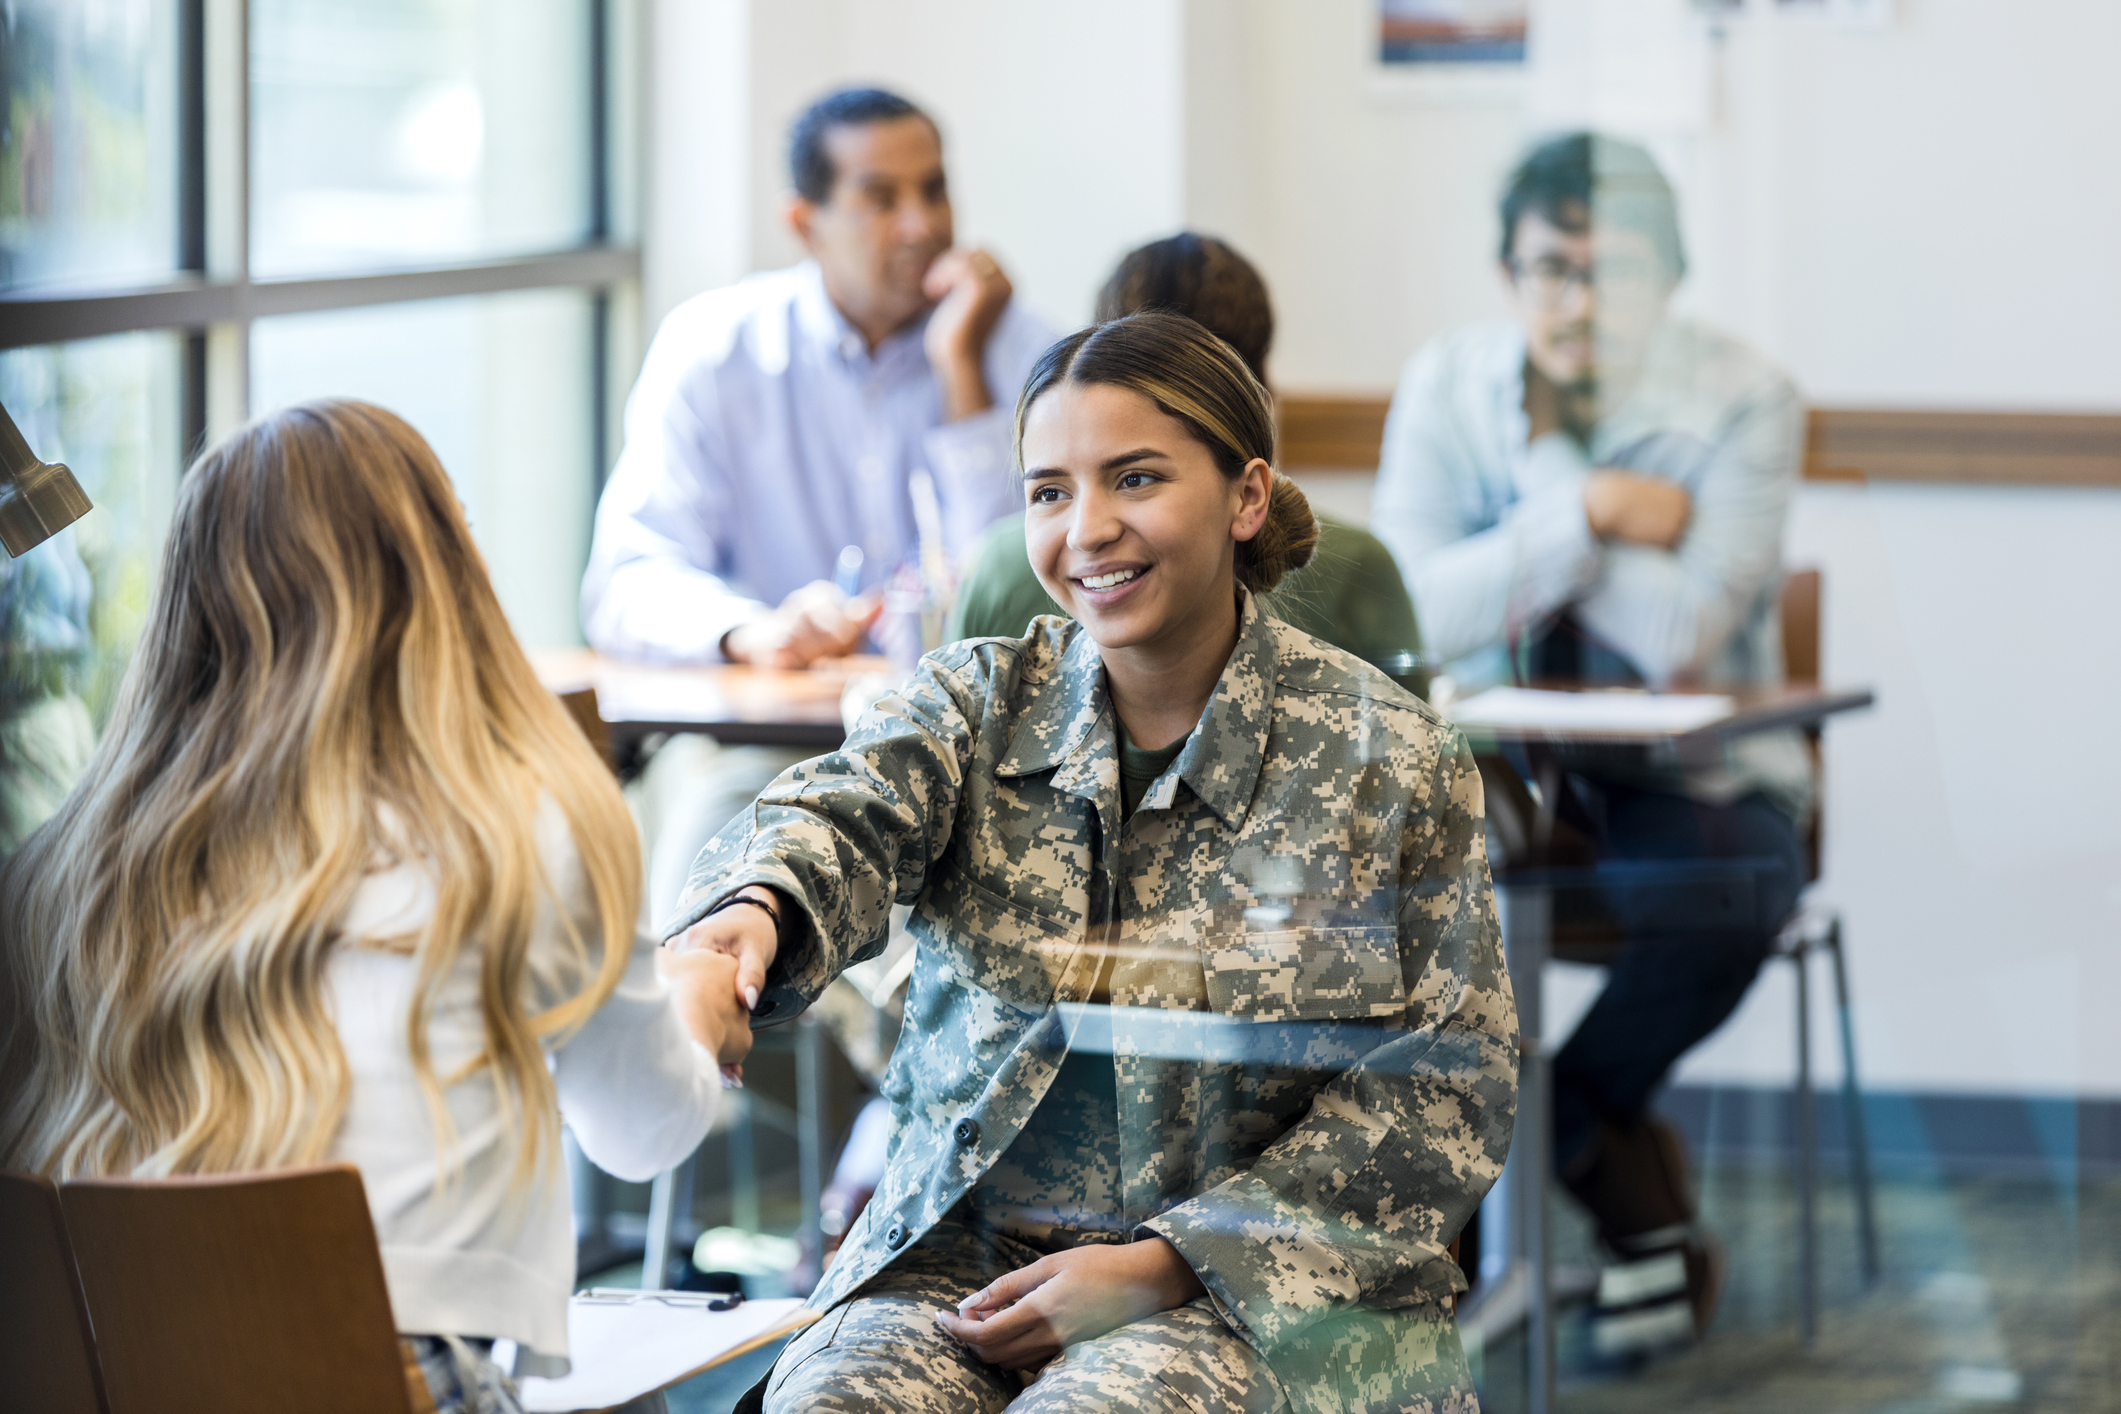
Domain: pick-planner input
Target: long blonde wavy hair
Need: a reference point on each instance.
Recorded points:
(326, 686)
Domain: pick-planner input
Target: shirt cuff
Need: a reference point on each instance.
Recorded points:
(667, 618)
(1261, 1260)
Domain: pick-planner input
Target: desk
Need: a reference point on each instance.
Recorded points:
(1753, 710)
(1525, 902)
(734, 704)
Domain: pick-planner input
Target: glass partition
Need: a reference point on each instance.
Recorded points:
(108, 409)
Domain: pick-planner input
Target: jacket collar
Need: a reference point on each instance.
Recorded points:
(1070, 726)
(1067, 724)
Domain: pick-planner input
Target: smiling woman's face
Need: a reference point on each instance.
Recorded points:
(1131, 526)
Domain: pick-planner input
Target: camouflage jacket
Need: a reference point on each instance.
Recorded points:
(1312, 1029)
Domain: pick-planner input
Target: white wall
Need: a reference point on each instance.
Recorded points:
(1972, 841)
(1363, 200)
(1062, 126)
(1917, 216)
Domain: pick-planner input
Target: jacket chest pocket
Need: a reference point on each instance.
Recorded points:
(1307, 974)
(993, 942)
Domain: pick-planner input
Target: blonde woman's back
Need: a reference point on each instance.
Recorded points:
(465, 1249)
(342, 880)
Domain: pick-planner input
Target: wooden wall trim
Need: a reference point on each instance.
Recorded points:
(1345, 431)
(1339, 431)
(1974, 448)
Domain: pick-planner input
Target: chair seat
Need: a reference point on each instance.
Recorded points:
(1598, 909)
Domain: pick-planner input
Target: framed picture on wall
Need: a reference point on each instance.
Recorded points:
(1426, 34)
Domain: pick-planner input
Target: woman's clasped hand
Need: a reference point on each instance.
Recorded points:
(718, 966)
(1022, 1320)
(705, 986)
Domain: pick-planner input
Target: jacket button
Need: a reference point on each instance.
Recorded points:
(967, 1132)
(896, 1237)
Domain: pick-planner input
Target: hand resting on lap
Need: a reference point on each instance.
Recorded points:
(1022, 1320)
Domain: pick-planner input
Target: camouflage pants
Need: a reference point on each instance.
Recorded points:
(881, 1350)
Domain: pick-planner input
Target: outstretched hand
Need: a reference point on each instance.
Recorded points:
(747, 936)
(704, 984)
(1022, 1320)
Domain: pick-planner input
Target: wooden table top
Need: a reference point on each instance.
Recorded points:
(734, 704)
(771, 707)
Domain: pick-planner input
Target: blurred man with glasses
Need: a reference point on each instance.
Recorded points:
(1594, 491)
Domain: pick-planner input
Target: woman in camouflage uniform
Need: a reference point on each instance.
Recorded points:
(1209, 1050)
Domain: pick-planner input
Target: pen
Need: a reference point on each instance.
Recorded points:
(848, 574)
(629, 1296)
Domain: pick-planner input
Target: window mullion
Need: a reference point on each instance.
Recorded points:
(226, 46)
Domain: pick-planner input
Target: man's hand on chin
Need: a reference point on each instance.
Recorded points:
(971, 292)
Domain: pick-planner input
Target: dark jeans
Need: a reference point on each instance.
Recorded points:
(1677, 978)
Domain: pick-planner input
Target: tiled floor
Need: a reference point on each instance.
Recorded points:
(1999, 1293)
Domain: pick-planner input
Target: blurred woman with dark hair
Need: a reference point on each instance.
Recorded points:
(1350, 594)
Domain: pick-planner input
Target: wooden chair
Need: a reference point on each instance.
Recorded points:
(237, 1294)
(581, 704)
(1579, 931)
(47, 1352)
(1818, 930)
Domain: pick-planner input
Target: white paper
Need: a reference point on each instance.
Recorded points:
(620, 1353)
(1632, 712)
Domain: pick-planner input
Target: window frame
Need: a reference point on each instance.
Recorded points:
(212, 300)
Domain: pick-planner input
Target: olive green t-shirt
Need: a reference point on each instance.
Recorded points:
(1139, 768)
(1351, 594)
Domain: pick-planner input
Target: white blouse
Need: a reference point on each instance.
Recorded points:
(461, 1254)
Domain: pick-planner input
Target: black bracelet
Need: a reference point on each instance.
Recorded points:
(735, 899)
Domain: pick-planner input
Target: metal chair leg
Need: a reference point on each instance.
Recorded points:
(742, 1130)
(669, 1203)
(1852, 1116)
(1527, 921)
(810, 1062)
(1807, 1159)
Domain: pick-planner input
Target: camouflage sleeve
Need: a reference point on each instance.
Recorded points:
(1354, 1206)
(848, 834)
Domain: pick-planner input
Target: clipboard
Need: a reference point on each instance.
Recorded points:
(627, 1344)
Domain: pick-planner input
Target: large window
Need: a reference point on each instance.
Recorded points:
(213, 208)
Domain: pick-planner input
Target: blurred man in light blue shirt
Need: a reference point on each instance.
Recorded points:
(794, 414)
(785, 418)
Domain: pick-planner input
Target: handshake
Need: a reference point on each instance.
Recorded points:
(716, 967)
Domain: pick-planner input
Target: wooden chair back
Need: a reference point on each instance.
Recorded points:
(1800, 626)
(47, 1350)
(581, 704)
(1800, 663)
(237, 1294)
